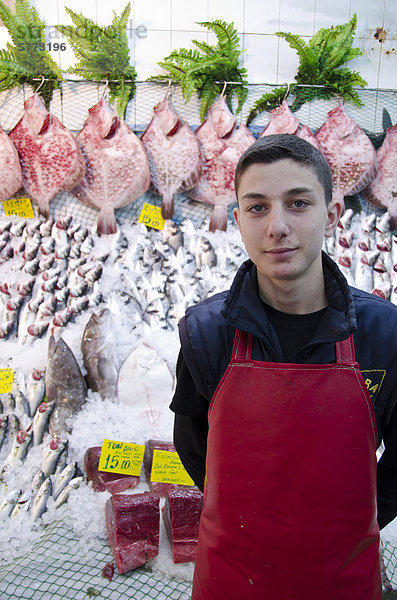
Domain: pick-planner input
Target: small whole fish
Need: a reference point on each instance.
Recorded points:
(39, 505)
(64, 495)
(6, 507)
(40, 421)
(63, 479)
(51, 455)
(35, 389)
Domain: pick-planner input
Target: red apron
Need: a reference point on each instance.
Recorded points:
(290, 494)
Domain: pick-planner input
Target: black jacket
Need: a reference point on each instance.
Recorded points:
(207, 334)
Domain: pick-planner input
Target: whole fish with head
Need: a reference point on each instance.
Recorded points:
(349, 152)
(39, 505)
(99, 350)
(40, 421)
(174, 155)
(6, 507)
(35, 389)
(51, 455)
(117, 170)
(65, 385)
(19, 447)
(221, 146)
(64, 495)
(50, 157)
(63, 479)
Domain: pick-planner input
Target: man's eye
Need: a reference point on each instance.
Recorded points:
(299, 203)
(257, 208)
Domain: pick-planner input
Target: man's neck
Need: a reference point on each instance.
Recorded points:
(294, 297)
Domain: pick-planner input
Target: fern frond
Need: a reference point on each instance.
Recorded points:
(204, 47)
(266, 102)
(307, 55)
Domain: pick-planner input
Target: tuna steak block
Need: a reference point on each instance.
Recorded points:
(132, 523)
(158, 487)
(114, 483)
(181, 516)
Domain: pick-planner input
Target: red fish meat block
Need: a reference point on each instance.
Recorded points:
(114, 483)
(117, 169)
(181, 515)
(174, 155)
(382, 191)
(158, 487)
(50, 157)
(282, 120)
(133, 524)
(349, 152)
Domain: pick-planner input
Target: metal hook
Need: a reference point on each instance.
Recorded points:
(169, 88)
(224, 88)
(105, 89)
(287, 92)
(41, 83)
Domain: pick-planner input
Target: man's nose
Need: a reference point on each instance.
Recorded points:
(277, 222)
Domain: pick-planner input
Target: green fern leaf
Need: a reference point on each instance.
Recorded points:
(307, 55)
(267, 102)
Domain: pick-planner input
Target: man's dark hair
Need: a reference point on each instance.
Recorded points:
(275, 147)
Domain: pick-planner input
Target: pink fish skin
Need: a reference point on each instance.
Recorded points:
(117, 169)
(10, 168)
(305, 133)
(282, 120)
(174, 155)
(50, 157)
(382, 191)
(220, 156)
(349, 152)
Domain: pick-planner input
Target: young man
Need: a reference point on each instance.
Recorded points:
(272, 404)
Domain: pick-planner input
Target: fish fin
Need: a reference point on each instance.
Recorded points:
(106, 222)
(167, 206)
(218, 218)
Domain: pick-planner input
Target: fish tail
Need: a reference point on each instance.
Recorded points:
(167, 206)
(106, 222)
(218, 218)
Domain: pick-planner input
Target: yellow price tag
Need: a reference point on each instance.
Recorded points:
(121, 457)
(167, 468)
(19, 206)
(151, 216)
(6, 379)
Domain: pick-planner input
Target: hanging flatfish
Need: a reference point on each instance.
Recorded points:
(50, 157)
(282, 120)
(117, 169)
(174, 155)
(222, 144)
(382, 191)
(349, 152)
(10, 168)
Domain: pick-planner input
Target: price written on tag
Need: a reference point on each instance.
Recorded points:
(19, 206)
(121, 457)
(167, 468)
(151, 216)
(6, 379)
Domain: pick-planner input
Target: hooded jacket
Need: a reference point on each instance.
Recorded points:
(207, 334)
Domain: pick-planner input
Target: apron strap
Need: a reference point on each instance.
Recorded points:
(345, 350)
(242, 348)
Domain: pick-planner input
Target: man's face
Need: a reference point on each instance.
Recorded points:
(282, 218)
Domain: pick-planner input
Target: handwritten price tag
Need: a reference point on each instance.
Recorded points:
(167, 468)
(121, 457)
(151, 216)
(6, 379)
(19, 206)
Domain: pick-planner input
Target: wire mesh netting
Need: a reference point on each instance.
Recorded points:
(71, 106)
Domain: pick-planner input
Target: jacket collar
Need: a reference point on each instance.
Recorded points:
(242, 307)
